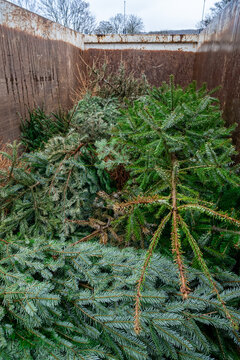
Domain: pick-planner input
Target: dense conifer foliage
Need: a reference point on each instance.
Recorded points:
(38, 128)
(179, 155)
(56, 186)
(65, 302)
(156, 173)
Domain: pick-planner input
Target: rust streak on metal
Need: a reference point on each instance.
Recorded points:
(33, 72)
(155, 65)
(218, 63)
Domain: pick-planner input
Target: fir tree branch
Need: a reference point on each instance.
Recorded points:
(210, 212)
(65, 192)
(66, 157)
(155, 239)
(19, 196)
(218, 229)
(199, 167)
(176, 245)
(203, 265)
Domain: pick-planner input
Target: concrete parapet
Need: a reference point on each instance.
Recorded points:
(142, 42)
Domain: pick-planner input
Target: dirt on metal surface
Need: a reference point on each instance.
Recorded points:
(218, 63)
(33, 72)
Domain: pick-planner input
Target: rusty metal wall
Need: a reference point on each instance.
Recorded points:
(40, 61)
(157, 66)
(37, 66)
(33, 72)
(218, 62)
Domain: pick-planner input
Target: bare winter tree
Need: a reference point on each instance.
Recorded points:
(116, 25)
(104, 27)
(74, 14)
(117, 22)
(30, 5)
(214, 11)
(134, 24)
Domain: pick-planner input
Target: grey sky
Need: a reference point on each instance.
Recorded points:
(156, 14)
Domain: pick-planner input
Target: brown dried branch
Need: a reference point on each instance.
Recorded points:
(87, 238)
(101, 231)
(89, 78)
(5, 163)
(4, 241)
(140, 200)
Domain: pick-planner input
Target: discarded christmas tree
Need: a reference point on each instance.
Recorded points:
(63, 302)
(179, 155)
(62, 299)
(57, 185)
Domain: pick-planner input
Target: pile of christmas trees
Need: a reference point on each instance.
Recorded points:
(120, 233)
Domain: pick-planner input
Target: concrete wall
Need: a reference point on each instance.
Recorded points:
(218, 62)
